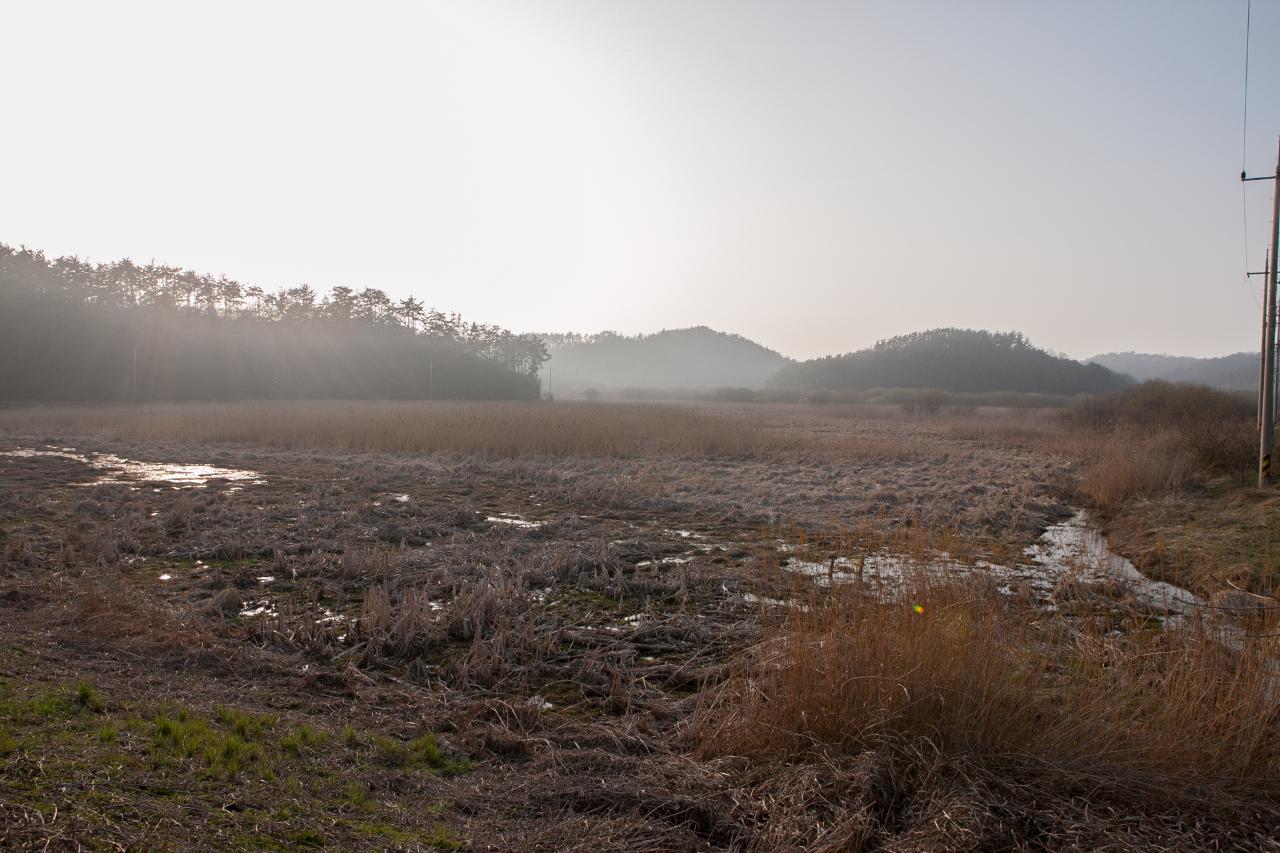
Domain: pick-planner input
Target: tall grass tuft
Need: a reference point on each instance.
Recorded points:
(959, 670)
(1126, 464)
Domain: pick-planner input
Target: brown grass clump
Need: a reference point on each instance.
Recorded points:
(399, 629)
(487, 429)
(1157, 438)
(1126, 464)
(959, 671)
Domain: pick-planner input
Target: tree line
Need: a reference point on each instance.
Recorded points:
(75, 330)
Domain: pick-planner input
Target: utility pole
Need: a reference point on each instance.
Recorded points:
(1267, 399)
(1262, 362)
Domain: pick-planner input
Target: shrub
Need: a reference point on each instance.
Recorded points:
(925, 402)
(1128, 464)
(1217, 427)
(735, 395)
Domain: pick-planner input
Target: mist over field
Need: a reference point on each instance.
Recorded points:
(545, 425)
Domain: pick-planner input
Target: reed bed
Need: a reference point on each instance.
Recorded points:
(488, 429)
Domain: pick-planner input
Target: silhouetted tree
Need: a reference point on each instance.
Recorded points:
(70, 330)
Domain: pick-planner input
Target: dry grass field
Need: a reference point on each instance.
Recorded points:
(510, 430)
(594, 626)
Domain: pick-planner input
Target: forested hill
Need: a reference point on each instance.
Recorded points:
(694, 358)
(953, 360)
(71, 330)
(1238, 372)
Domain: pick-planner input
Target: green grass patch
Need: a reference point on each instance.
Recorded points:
(301, 738)
(228, 745)
(86, 698)
(423, 752)
(61, 703)
(438, 837)
(152, 759)
(356, 795)
(244, 725)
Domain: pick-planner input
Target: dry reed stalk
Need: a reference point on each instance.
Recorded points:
(1125, 464)
(969, 673)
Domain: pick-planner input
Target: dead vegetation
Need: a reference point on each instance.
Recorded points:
(566, 652)
(1159, 437)
(967, 672)
(976, 721)
(1170, 470)
(512, 430)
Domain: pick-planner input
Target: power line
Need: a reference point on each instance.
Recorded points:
(1244, 144)
(1244, 120)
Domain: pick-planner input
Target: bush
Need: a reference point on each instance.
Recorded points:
(1216, 427)
(735, 395)
(928, 401)
(1127, 464)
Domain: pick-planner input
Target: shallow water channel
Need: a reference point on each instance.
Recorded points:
(1073, 550)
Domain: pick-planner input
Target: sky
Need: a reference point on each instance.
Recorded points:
(813, 175)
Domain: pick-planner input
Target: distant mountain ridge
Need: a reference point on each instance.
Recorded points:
(958, 360)
(1236, 372)
(699, 359)
(694, 358)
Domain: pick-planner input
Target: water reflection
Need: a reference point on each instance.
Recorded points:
(117, 469)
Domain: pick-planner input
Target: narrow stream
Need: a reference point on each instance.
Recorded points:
(1077, 547)
(1073, 550)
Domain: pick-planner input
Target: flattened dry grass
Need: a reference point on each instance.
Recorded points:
(487, 429)
(961, 672)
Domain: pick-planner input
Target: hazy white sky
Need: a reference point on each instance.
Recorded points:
(814, 175)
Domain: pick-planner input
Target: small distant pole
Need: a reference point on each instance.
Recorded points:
(431, 378)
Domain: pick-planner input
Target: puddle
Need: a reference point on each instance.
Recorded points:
(117, 469)
(249, 609)
(512, 519)
(330, 617)
(752, 598)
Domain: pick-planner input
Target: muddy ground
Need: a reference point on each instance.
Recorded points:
(377, 651)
